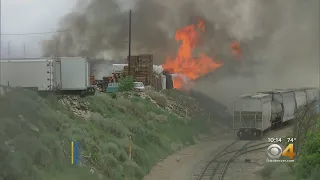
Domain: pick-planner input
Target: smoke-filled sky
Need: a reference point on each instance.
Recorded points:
(279, 38)
(287, 51)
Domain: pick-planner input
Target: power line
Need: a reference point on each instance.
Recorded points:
(33, 33)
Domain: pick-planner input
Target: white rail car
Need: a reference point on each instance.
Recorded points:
(301, 97)
(312, 94)
(28, 73)
(254, 114)
(287, 99)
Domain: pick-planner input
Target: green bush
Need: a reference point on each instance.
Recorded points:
(315, 173)
(126, 84)
(310, 156)
(113, 95)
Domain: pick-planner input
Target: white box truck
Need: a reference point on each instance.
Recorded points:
(35, 73)
(72, 74)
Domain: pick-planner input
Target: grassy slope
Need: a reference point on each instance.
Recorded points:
(36, 134)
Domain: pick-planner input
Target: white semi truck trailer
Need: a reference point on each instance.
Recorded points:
(61, 74)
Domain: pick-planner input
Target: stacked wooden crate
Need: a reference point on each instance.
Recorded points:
(141, 68)
(125, 71)
(126, 68)
(92, 80)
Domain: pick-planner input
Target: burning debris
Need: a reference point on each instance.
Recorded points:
(236, 49)
(187, 65)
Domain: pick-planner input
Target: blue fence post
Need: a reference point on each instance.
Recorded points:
(75, 152)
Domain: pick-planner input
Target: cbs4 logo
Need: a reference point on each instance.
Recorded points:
(275, 151)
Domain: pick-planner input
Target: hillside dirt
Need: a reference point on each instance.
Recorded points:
(181, 165)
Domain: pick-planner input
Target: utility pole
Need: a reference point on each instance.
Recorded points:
(24, 50)
(1, 92)
(8, 49)
(129, 54)
(57, 46)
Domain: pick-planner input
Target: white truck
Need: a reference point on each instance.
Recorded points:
(63, 74)
(72, 74)
(28, 73)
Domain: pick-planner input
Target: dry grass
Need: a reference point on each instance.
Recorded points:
(160, 99)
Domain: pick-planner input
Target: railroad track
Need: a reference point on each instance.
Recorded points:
(216, 168)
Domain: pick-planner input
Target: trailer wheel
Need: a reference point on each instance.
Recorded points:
(82, 94)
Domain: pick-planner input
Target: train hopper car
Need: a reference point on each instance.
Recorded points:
(252, 114)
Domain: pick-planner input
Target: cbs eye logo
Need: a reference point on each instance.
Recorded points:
(274, 151)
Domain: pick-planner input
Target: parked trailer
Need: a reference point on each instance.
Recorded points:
(28, 73)
(73, 74)
(252, 114)
(65, 74)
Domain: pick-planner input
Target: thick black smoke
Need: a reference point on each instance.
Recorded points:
(101, 30)
(279, 38)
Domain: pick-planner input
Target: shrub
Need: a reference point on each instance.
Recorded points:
(113, 95)
(310, 156)
(112, 148)
(282, 172)
(268, 169)
(126, 84)
(160, 99)
(315, 174)
(133, 169)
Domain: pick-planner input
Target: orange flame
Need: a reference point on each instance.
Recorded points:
(185, 63)
(236, 49)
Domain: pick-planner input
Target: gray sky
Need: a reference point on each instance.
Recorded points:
(27, 16)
